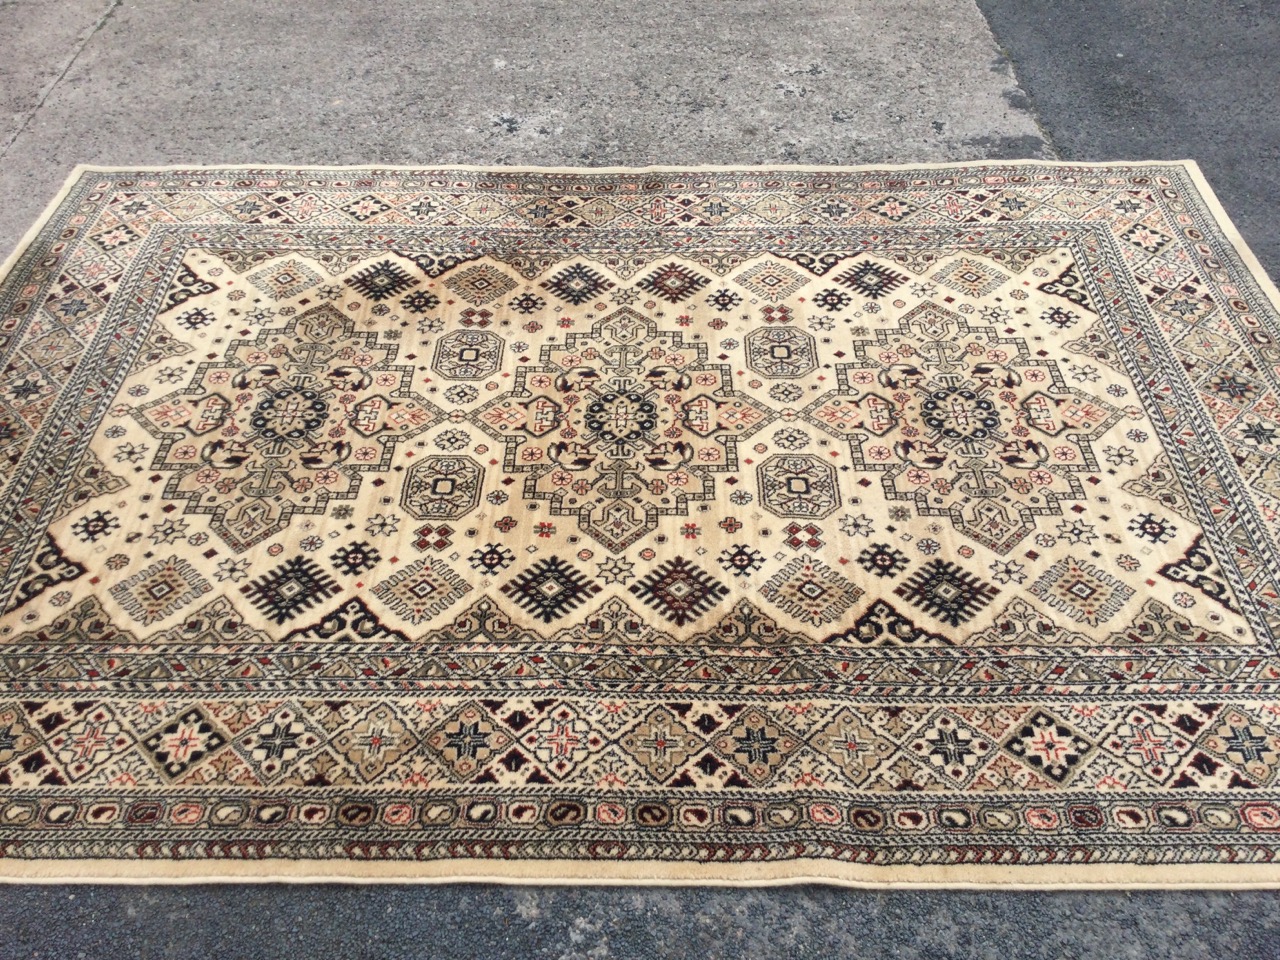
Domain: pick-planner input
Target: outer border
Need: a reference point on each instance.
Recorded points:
(1067, 876)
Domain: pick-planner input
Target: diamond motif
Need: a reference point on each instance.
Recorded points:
(811, 591)
(561, 740)
(274, 746)
(679, 591)
(382, 281)
(183, 743)
(1081, 591)
(952, 748)
(280, 281)
(661, 743)
(1148, 744)
(871, 280)
(480, 284)
(467, 740)
(896, 209)
(1049, 746)
(673, 283)
(160, 590)
(757, 743)
(971, 277)
(853, 745)
(296, 585)
(578, 284)
(550, 589)
(87, 744)
(375, 741)
(947, 592)
(771, 281)
(421, 590)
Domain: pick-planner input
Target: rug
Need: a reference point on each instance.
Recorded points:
(878, 526)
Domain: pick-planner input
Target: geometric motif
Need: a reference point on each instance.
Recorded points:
(83, 746)
(951, 747)
(661, 743)
(296, 585)
(1049, 746)
(757, 743)
(382, 281)
(1244, 741)
(883, 560)
(282, 424)
(1081, 591)
(374, 742)
(550, 589)
(355, 558)
(16, 735)
(854, 745)
(781, 352)
(673, 283)
(1148, 744)
(92, 527)
(578, 284)
(182, 743)
(872, 280)
(442, 488)
(273, 746)
(561, 740)
(186, 285)
(283, 280)
(971, 277)
(808, 536)
(491, 558)
(1152, 528)
(434, 538)
(679, 591)
(1197, 569)
(1069, 285)
(947, 592)
(467, 355)
(467, 740)
(798, 485)
(49, 567)
(741, 560)
(811, 591)
(882, 624)
(480, 284)
(771, 281)
(421, 590)
(163, 588)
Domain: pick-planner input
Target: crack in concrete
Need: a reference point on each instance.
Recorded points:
(48, 88)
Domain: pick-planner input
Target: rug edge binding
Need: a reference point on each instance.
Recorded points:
(641, 873)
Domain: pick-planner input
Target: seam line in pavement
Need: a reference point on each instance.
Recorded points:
(66, 67)
(1033, 111)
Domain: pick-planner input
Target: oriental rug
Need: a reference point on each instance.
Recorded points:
(881, 526)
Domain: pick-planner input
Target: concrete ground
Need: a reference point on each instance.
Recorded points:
(631, 82)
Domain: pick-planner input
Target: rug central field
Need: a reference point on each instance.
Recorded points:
(880, 526)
